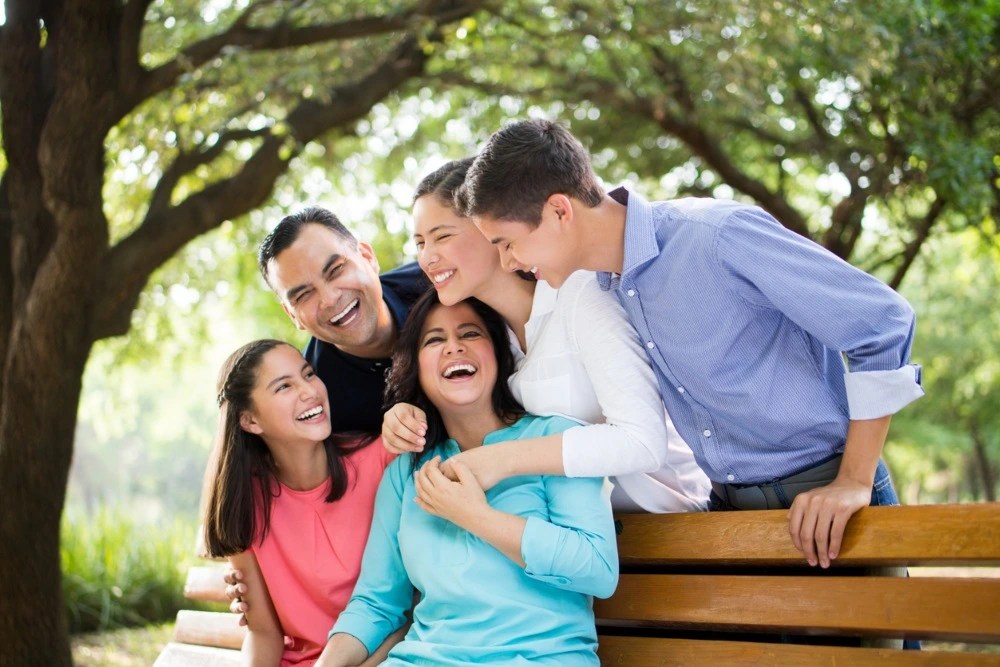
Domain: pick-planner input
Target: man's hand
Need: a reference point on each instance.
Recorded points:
(483, 463)
(235, 590)
(817, 518)
(462, 502)
(403, 429)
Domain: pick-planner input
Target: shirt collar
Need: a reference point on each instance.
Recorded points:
(640, 235)
(398, 308)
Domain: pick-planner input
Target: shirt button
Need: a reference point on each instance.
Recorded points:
(707, 433)
(650, 344)
(730, 477)
(680, 390)
(631, 292)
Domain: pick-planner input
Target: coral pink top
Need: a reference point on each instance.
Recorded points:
(311, 556)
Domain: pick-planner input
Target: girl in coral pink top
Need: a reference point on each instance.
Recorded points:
(290, 503)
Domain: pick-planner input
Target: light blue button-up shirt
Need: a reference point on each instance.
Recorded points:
(764, 343)
(476, 605)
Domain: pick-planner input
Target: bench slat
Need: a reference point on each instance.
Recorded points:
(186, 655)
(205, 583)
(652, 652)
(927, 608)
(914, 535)
(209, 628)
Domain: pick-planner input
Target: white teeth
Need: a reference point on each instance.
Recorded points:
(533, 269)
(309, 414)
(339, 316)
(441, 277)
(451, 370)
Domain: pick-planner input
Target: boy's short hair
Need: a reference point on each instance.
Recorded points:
(521, 166)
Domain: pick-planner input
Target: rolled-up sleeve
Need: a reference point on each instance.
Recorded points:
(841, 306)
(576, 548)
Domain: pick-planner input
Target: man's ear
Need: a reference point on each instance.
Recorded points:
(249, 424)
(288, 311)
(368, 253)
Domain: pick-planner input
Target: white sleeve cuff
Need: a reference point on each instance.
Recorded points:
(874, 394)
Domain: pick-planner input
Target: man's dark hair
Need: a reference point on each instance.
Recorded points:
(523, 165)
(286, 231)
(403, 382)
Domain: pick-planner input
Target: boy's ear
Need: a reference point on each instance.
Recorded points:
(249, 424)
(561, 206)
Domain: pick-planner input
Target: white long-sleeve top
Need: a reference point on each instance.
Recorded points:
(585, 361)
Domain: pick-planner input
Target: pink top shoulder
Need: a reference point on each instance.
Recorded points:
(311, 556)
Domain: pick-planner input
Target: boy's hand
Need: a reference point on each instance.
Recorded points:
(483, 463)
(403, 429)
(460, 502)
(235, 590)
(817, 518)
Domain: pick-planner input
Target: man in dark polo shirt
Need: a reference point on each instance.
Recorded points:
(328, 283)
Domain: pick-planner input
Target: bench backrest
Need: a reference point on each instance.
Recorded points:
(698, 585)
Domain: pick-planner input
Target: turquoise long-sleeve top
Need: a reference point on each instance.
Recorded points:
(476, 605)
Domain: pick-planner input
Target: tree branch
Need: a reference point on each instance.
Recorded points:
(166, 229)
(278, 36)
(912, 249)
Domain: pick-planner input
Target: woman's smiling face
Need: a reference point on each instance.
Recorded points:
(457, 362)
(456, 257)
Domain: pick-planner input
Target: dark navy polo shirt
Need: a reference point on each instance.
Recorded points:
(356, 385)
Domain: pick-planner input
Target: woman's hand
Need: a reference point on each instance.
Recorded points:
(403, 429)
(462, 502)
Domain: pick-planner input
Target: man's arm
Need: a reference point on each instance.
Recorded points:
(264, 641)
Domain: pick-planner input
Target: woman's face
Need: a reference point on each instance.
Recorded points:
(289, 400)
(457, 362)
(456, 257)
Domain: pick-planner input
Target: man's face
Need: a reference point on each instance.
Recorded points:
(331, 289)
(539, 250)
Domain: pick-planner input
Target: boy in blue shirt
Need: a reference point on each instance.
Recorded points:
(779, 363)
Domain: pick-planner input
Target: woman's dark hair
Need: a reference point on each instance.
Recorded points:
(403, 382)
(243, 464)
(444, 181)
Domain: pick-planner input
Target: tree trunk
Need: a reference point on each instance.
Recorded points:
(37, 419)
(983, 464)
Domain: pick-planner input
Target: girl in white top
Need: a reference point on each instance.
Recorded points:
(583, 360)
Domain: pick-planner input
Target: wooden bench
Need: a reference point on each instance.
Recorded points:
(729, 589)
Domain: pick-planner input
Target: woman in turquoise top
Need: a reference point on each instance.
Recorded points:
(504, 577)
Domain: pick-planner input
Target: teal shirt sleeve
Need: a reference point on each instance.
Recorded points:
(576, 548)
(383, 593)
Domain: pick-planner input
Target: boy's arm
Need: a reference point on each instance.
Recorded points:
(818, 517)
(847, 310)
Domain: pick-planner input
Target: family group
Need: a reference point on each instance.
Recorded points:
(433, 480)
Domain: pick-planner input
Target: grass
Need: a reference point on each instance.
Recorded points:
(120, 573)
(132, 647)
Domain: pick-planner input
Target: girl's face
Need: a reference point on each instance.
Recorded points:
(289, 400)
(456, 257)
(457, 362)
